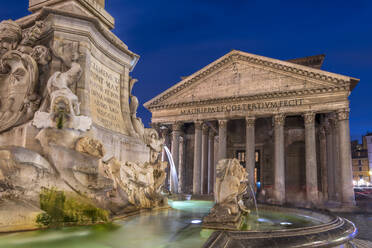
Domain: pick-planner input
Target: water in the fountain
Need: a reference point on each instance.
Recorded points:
(173, 171)
(254, 199)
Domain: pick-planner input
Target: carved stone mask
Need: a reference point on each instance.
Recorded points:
(41, 55)
(10, 36)
(16, 87)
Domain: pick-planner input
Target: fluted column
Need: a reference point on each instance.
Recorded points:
(197, 158)
(204, 160)
(279, 170)
(348, 197)
(336, 157)
(310, 158)
(250, 161)
(330, 161)
(176, 132)
(323, 162)
(222, 139)
(181, 166)
(211, 169)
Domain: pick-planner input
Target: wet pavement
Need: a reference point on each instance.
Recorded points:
(363, 222)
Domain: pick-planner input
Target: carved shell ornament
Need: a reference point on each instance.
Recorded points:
(17, 88)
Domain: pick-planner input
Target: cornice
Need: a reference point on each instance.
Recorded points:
(28, 21)
(264, 96)
(235, 55)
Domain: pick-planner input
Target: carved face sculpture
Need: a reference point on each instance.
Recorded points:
(41, 54)
(16, 87)
(10, 36)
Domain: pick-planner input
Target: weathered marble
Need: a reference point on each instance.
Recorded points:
(231, 184)
(68, 118)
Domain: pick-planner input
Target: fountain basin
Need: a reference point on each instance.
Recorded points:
(181, 227)
(318, 230)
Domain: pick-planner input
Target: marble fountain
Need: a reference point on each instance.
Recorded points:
(79, 169)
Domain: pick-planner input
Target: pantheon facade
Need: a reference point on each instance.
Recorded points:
(286, 121)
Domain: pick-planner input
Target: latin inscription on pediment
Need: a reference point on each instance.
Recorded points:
(265, 105)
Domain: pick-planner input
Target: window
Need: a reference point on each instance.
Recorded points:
(360, 168)
(359, 162)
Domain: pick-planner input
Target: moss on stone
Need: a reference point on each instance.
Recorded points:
(62, 209)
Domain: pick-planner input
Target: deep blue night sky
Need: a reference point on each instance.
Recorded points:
(178, 37)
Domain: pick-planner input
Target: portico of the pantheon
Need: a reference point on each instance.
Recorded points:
(286, 121)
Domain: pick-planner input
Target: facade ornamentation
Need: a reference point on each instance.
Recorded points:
(343, 114)
(222, 123)
(250, 58)
(198, 125)
(279, 119)
(309, 118)
(177, 127)
(250, 121)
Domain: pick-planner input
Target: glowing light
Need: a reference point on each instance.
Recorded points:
(370, 172)
(196, 221)
(285, 223)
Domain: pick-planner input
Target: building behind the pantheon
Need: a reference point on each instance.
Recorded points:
(286, 121)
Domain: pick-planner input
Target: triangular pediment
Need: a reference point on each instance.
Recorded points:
(239, 74)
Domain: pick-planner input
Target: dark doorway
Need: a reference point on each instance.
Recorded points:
(240, 155)
(295, 177)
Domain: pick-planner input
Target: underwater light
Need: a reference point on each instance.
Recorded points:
(285, 223)
(196, 221)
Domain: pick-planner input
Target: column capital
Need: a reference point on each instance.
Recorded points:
(309, 118)
(250, 121)
(222, 123)
(279, 119)
(198, 124)
(177, 126)
(343, 114)
(205, 128)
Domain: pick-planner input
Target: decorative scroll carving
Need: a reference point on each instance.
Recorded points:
(177, 126)
(198, 124)
(222, 123)
(279, 119)
(309, 118)
(343, 114)
(250, 121)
